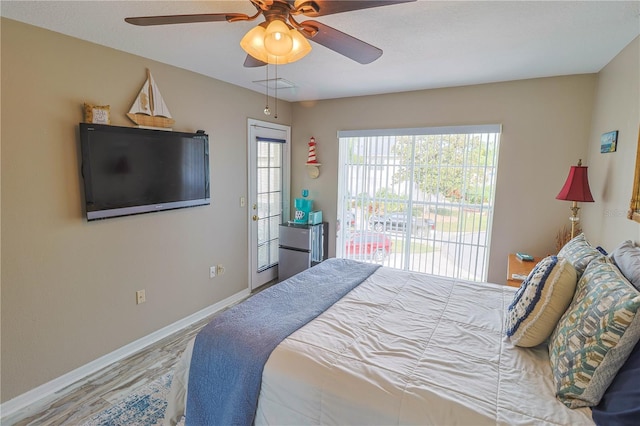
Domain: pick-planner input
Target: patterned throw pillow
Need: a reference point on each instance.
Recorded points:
(579, 252)
(540, 302)
(595, 335)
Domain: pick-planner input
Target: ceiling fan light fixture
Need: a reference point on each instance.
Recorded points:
(253, 43)
(301, 47)
(277, 38)
(274, 41)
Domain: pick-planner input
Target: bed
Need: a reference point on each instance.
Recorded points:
(406, 348)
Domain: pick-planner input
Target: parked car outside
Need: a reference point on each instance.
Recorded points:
(368, 245)
(399, 221)
(393, 221)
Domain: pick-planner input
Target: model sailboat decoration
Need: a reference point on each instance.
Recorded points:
(149, 109)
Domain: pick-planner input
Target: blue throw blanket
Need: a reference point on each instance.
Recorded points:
(229, 354)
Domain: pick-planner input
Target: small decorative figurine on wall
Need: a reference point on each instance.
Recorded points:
(312, 162)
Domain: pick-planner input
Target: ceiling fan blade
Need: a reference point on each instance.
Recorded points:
(251, 62)
(328, 7)
(186, 19)
(342, 43)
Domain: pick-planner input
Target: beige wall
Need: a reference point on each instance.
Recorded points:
(68, 286)
(545, 125)
(617, 107)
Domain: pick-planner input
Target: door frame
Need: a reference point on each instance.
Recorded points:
(258, 128)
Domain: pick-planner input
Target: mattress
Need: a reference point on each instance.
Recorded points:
(408, 348)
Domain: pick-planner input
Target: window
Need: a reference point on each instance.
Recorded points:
(419, 199)
(269, 199)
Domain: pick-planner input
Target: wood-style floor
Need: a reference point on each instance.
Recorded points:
(80, 401)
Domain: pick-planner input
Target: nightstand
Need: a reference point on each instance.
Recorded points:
(517, 266)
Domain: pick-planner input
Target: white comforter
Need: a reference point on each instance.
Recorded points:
(408, 348)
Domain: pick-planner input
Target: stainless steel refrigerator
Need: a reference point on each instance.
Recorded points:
(301, 247)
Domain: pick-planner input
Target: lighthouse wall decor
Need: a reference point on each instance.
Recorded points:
(313, 169)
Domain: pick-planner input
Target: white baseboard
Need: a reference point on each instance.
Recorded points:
(37, 397)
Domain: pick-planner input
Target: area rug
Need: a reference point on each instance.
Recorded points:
(143, 407)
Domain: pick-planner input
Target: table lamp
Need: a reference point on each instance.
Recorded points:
(576, 189)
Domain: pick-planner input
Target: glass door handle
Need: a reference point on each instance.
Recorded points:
(255, 217)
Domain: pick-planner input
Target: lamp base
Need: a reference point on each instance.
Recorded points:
(574, 218)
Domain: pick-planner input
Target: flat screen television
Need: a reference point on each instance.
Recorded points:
(129, 170)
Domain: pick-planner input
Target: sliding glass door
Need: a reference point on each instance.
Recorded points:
(419, 199)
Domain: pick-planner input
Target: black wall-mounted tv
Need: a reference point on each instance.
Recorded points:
(129, 170)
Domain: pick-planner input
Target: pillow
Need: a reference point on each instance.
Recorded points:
(620, 404)
(97, 114)
(595, 335)
(579, 252)
(627, 258)
(540, 302)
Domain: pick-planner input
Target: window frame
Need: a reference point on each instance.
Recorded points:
(379, 136)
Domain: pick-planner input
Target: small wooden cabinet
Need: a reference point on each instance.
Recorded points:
(519, 267)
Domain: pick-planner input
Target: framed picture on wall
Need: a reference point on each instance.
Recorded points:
(97, 114)
(609, 142)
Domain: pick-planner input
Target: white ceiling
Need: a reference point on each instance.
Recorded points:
(426, 44)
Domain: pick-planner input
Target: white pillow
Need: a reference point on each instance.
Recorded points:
(540, 302)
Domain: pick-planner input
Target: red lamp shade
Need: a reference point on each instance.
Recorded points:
(576, 188)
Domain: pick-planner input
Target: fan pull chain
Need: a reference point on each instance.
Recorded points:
(267, 111)
(276, 91)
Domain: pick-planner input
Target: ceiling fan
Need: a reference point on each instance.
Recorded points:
(278, 12)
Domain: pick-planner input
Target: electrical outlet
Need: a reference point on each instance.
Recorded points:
(220, 269)
(212, 272)
(140, 297)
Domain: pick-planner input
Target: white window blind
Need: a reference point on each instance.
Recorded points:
(419, 199)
